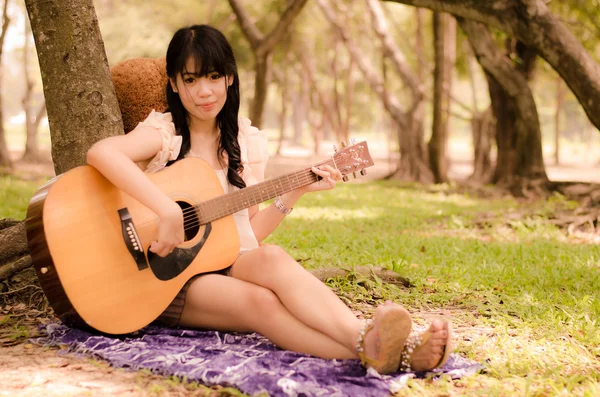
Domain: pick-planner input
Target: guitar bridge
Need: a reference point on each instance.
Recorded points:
(132, 240)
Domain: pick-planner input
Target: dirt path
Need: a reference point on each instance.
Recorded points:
(31, 370)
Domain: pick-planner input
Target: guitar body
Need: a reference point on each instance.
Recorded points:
(83, 256)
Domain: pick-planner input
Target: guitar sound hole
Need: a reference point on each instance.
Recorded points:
(190, 220)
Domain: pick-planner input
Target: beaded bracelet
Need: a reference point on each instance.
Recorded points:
(281, 206)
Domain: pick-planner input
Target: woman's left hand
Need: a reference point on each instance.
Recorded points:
(329, 177)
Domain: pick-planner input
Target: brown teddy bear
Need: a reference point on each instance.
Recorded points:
(140, 87)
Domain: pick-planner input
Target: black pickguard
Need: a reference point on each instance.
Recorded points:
(176, 262)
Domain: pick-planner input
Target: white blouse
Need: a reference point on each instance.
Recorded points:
(254, 155)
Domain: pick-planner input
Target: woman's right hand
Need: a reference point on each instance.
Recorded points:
(170, 230)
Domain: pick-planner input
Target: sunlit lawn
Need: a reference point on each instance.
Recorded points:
(523, 297)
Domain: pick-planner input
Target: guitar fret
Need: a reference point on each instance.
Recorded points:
(227, 204)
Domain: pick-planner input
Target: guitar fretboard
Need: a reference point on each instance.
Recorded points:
(231, 203)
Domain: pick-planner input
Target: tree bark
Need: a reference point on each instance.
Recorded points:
(531, 22)
(82, 105)
(444, 36)
(14, 255)
(284, 83)
(518, 135)
(335, 72)
(32, 121)
(80, 98)
(262, 46)
(413, 156)
(482, 127)
(560, 97)
(412, 164)
(5, 160)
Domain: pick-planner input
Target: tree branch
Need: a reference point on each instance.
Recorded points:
(399, 60)
(531, 22)
(254, 36)
(282, 27)
(489, 12)
(390, 101)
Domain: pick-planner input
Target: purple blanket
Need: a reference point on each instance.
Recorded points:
(248, 362)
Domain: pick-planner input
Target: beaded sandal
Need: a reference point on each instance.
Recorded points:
(416, 341)
(394, 325)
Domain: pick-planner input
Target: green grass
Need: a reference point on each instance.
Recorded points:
(15, 194)
(523, 297)
(521, 294)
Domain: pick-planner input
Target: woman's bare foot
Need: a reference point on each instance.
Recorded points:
(428, 355)
(384, 341)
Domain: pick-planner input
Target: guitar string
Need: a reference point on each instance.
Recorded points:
(191, 213)
(306, 179)
(219, 214)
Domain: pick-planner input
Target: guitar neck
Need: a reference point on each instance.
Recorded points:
(231, 203)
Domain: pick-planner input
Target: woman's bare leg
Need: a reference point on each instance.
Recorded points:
(305, 296)
(226, 304)
(317, 306)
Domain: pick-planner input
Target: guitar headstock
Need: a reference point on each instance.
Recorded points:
(353, 158)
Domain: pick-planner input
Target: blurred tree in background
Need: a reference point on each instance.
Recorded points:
(316, 72)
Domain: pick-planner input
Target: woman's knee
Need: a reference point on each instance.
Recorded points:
(272, 257)
(262, 305)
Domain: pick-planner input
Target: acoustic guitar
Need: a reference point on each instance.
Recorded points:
(89, 240)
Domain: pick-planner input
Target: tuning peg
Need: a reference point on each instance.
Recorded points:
(335, 149)
(363, 172)
(353, 141)
(345, 178)
(354, 174)
(344, 144)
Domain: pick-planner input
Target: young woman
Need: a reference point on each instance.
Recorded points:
(264, 290)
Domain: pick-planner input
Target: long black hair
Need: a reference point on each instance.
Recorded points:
(211, 53)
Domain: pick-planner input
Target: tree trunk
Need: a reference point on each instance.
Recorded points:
(284, 86)
(518, 136)
(82, 105)
(506, 133)
(261, 86)
(326, 103)
(443, 30)
(262, 46)
(531, 22)
(560, 97)
(335, 73)
(80, 98)
(482, 127)
(412, 163)
(413, 156)
(32, 121)
(5, 160)
(14, 255)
